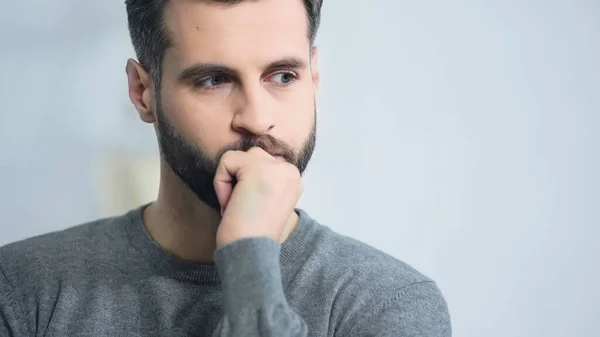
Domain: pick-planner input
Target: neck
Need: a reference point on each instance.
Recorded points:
(183, 225)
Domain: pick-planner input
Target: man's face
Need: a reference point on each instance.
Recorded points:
(235, 77)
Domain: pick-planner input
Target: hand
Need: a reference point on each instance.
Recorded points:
(264, 196)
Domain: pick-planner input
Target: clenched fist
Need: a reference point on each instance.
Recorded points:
(257, 193)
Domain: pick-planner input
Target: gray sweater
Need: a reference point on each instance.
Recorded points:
(109, 278)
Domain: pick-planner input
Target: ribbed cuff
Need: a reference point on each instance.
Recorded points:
(250, 274)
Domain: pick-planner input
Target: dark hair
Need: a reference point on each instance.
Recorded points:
(150, 38)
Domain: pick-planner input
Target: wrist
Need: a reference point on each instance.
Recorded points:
(249, 270)
(227, 237)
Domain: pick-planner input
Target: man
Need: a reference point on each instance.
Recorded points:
(229, 87)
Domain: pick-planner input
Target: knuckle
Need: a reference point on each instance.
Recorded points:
(228, 156)
(292, 170)
(290, 173)
(256, 150)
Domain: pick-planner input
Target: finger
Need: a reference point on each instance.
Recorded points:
(225, 176)
(223, 192)
(259, 151)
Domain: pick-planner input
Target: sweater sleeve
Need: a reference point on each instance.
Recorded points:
(12, 323)
(416, 310)
(254, 300)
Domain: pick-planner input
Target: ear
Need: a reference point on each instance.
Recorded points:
(141, 90)
(314, 66)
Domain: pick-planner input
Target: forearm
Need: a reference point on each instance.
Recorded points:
(254, 300)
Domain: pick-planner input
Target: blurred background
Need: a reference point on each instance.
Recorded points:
(461, 137)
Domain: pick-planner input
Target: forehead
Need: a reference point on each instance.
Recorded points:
(248, 32)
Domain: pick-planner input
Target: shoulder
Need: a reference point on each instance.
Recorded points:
(59, 252)
(373, 290)
(365, 263)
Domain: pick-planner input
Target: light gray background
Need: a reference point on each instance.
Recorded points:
(459, 136)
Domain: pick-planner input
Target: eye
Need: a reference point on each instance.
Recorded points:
(211, 82)
(283, 78)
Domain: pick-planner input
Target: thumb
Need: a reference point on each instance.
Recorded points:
(223, 191)
(225, 176)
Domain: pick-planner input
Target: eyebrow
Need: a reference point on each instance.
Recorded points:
(200, 70)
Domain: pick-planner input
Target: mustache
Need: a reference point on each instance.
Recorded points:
(268, 143)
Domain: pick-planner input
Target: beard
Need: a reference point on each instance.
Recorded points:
(196, 167)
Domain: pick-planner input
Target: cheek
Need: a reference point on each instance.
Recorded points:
(205, 123)
(297, 118)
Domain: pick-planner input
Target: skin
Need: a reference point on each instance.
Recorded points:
(269, 89)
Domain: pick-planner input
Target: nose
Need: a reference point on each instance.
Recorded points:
(253, 114)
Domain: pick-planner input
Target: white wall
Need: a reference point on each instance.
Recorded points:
(461, 137)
